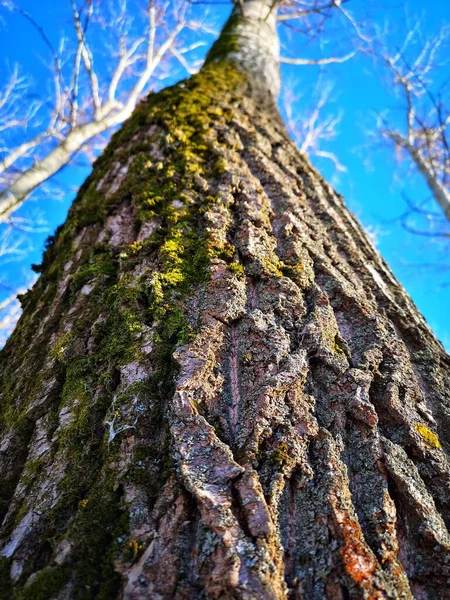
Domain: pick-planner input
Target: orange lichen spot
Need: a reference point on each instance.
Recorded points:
(430, 438)
(359, 563)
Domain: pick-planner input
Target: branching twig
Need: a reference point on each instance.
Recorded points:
(88, 105)
(423, 138)
(317, 61)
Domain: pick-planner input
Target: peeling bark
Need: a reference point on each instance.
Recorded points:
(217, 388)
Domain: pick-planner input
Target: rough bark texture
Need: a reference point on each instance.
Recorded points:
(217, 388)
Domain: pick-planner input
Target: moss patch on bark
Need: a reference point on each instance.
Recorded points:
(119, 307)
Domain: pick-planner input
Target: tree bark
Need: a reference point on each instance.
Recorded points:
(217, 388)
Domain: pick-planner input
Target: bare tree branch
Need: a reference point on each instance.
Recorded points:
(307, 9)
(315, 127)
(317, 61)
(79, 116)
(423, 138)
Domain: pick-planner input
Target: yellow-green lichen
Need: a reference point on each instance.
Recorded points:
(335, 346)
(271, 265)
(427, 435)
(133, 550)
(247, 358)
(61, 346)
(280, 455)
(131, 249)
(237, 269)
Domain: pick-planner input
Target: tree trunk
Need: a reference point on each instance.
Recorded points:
(217, 388)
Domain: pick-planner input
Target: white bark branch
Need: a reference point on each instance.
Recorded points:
(21, 151)
(439, 191)
(307, 11)
(8, 301)
(422, 134)
(317, 61)
(30, 179)
(86, 54)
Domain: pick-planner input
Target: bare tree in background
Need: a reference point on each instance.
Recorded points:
(88, 100)
(421, 135)
(316, 125)
(16, 244)
(9, 312)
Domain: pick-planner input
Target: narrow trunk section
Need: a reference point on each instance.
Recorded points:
(250, 41)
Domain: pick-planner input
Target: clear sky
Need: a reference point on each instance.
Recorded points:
(374, 185)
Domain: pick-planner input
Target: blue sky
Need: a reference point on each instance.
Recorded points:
(360, 90)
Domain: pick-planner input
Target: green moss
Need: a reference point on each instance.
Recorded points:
(271, 266)
(225, 252)
(5, 581)
(220, 166)
(119, 310)
(94, 534)
(132, 249)
(47, 584)
(101, 261)
(280, 455)
(335, 346)
(185, 112)
(33, 468)
(294, 272)
(78, 380)
(228, 41)
(61, 346)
